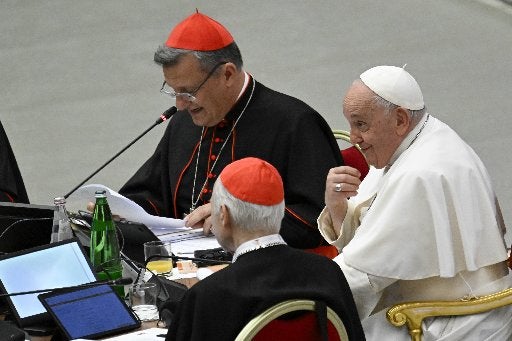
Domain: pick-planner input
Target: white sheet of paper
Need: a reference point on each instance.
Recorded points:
(126, 208)
(178, 234)
(185, 242)
(186, 247)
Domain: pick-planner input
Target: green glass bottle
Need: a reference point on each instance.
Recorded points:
(105, 256)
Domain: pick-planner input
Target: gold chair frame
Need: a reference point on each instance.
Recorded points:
(413, 313)
(344, 135)
(257, 323)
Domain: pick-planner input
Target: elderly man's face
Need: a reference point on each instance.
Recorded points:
(371, 126)
(211, 104)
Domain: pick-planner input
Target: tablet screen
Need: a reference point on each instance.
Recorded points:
(89, 312)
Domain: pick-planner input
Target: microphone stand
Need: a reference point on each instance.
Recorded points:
(175, 258)
(165, 116)
(120, 281)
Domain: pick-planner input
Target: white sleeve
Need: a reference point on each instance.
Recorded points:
(348, 228)
(325, 226)
(366, 289)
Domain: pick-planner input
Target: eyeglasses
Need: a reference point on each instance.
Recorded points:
(188, 96)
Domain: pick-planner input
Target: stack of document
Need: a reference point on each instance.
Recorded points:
(184, 240)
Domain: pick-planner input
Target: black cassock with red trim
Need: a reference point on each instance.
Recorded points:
(275, 127)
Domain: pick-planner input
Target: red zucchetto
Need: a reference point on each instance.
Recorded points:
(253, 180)
(199, 32)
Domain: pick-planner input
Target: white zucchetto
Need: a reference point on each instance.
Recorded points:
(395, 85)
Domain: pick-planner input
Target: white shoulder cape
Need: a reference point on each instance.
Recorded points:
(434, 213)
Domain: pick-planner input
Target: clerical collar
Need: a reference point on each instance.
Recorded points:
(245, 91)
(258, 243)
(246, 83)
(409, 139)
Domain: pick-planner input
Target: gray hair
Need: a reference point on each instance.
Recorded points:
(415, 115)
(169, 56)
(247, 216)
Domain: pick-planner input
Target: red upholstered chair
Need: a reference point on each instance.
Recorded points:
(352, 155)
(354, 158)
(510, 259)
(305, 327)
(324, 250)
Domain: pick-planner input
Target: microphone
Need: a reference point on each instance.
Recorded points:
(119, 281)
(176, 258)
(163, 117)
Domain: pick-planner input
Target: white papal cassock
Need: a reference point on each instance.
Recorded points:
(426, 227)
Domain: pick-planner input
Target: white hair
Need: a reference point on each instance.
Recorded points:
(415, 115)
(247, 216)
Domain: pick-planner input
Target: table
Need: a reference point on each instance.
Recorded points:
(145, 325)
(189, 282)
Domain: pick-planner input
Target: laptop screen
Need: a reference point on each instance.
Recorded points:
(23, 226)
(50, 266)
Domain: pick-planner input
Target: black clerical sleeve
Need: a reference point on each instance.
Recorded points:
(275, 127)
(155, 185)
(146, 185)
(12, 187)
(298, 141)
(311, 152)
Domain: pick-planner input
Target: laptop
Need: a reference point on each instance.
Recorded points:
(131, 235)
(50, 266)
(24, 226)
(76, 312)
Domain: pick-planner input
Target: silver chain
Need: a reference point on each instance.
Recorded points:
(194, 203)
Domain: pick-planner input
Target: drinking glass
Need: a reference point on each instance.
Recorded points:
(143, 301)
(153, 249)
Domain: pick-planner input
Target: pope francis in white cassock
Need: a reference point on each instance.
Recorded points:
(424, 224)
